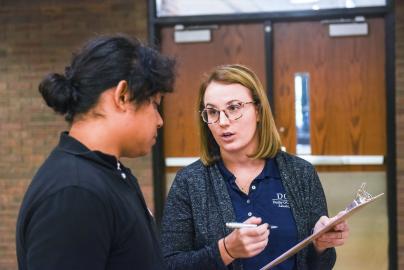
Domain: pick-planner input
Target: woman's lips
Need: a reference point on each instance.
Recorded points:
(227, 136)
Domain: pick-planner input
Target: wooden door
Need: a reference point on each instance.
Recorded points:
(347, 117)
(347, 88)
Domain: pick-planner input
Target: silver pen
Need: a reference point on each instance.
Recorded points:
(237, 225)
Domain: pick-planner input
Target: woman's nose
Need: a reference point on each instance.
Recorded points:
(223, 119)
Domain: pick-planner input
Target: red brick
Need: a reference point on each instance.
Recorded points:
(38, 38)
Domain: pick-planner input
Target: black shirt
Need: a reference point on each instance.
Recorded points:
(85, 210)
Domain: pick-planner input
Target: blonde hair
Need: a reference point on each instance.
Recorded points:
(269, 142)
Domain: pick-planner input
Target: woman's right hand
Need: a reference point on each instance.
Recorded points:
(245, 242)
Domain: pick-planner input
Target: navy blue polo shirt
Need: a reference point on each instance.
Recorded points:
(266, 199)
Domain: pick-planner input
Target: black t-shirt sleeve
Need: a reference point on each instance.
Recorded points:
(69, 230)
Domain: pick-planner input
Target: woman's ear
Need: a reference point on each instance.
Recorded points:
(258, 112)
(121, 95)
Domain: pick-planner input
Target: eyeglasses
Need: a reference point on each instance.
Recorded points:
(233, 111)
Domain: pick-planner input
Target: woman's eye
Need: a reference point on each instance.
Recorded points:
(212, 112)
(233, 107)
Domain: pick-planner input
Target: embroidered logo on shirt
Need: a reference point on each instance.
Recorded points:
(281, 200)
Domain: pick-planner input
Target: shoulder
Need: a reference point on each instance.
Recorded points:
(195, 170)
(75, 198)
(191, 177)
(290, 161)
(295, 170)
(61, 171)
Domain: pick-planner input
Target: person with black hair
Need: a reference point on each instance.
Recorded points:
(84, 209)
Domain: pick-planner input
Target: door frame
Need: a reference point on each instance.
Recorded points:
(267, 18)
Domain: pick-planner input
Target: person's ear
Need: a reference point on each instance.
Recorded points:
(258, 112)
(121, 95)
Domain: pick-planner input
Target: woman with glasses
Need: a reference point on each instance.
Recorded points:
(243, 176)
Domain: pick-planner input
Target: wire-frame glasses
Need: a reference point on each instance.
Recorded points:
(233, 111)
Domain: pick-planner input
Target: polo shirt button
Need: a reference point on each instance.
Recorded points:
(123, 175)
(248, 201)
(249, 214)
(253, 187)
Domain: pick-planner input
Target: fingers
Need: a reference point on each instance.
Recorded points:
(255, 240)
(334, 238)
(323, 220)
(253, 220)
(251, 246)
(258, 231)
(331, 240)
(337, 236)
(251, 235)
(341, 226)
(256, 248)
(321, 223)
(247, 242)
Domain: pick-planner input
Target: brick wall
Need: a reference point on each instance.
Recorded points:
(37, 37)
(400, 127)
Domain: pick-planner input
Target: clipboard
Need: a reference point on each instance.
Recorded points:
(362, 199)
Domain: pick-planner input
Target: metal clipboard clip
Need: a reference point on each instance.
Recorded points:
(362, 196)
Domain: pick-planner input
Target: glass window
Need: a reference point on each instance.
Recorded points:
(169, 8)
(302, 114)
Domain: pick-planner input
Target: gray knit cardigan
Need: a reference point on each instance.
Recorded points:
(198, 206)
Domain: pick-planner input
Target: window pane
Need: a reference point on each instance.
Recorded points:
(302, 113)
(214, 7)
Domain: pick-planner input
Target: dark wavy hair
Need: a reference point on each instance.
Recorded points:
(101, 64)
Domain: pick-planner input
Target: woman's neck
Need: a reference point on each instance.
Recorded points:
(244, 169)
(237, 162)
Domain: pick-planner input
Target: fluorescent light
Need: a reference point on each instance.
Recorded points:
(315, 7)
(303, 1)
(350, 4)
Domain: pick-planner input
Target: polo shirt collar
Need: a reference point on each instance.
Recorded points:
(270, 171)
(71, 145)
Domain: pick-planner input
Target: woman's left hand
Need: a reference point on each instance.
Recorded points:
(332, 238)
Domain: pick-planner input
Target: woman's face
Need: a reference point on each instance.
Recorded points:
(141, 124)
(237, 136)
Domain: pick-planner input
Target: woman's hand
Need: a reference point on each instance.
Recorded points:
(333, 238)
(245, 242)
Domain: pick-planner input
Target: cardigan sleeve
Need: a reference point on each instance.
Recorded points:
(178, 232)
(325, 260)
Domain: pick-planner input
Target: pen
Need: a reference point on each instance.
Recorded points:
(236, 225)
